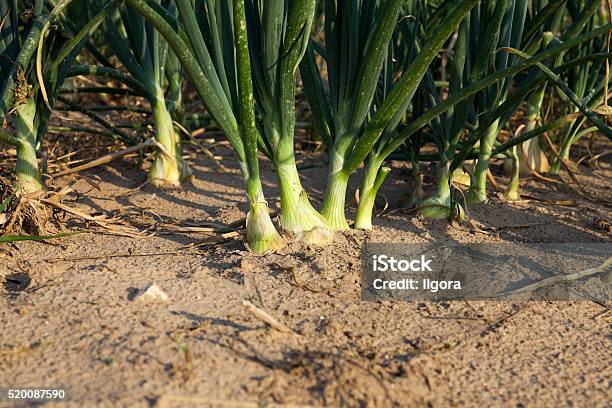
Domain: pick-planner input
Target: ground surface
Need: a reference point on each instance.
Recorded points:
(77, 324)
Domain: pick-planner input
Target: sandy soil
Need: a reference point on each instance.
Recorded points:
(77, 323)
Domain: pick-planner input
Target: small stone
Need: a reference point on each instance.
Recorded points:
(152, 292)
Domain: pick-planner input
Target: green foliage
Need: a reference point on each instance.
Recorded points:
(383, 79)
(36, 56)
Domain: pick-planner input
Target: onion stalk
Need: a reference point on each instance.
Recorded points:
(460, 149)
(32, 74)
(231, 104)
(356, 44)
(502, 26)
(279, 33)
(27, 174)
(145, 56)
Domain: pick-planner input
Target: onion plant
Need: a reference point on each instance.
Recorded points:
(528, 157)
(17, 56)
(225, 87)
(357, 36)
(530, 84)
(469, 68)
(480, 34)
(549, 25)
(146, 57)
(401, 52)
(544, 23)
(34, 61)
(278, 36)
(488, 29)
(588, 81)
(465, 146)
